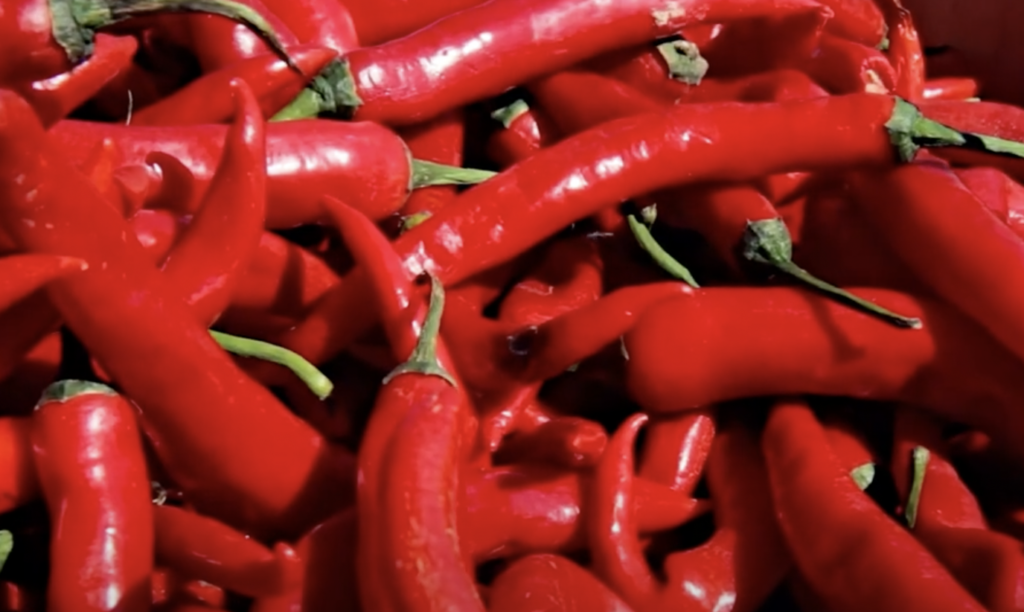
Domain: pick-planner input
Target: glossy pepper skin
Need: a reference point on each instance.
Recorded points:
(148, 342)
(607, 165)
(18, 481)
(851, 553)
(208, 259)
(683, 354)
(456, 60)
(378, 22)
(88, 454)
(551, 583)
(984, 259)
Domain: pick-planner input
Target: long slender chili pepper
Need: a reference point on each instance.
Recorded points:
(998, 192)
(367, 163)
(738, 482)
(202, 548)
(983, 260)
(676, 449)
(54, 98)
(950, 89)
(318, 22)
(802, 34)
(92, 472)
(857, 20)
(854, 355)
(524, 131)
(21, 275)
(218, 43)
(378, 22)
(272, 81)
(905, 51)
(450, 62)
(585, 174)
(419, 535)
(207, 260)
(440, 141)
(551, 583)
(18, 482)
(148, 342)
(61, 34)
(848, 549)
(514, 510)
(576, 100)
(842, 66)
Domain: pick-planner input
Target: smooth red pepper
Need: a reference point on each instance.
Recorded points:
(950, 89)
(378, 22)
(998, 192)
(218, 43)
(851, 553)
(207, 260)
(305, 161)
(88, 455)
(905, 51)
(842, 66)
(551, 583)
(18, 482)
(149, 343)
(207, 99)
(524, 131)
(676, 449)
(570, 442)
(201, 548)
(854, 355)
(440, 141)
(451, 62)
(857, 20)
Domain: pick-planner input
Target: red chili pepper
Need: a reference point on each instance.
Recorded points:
(738, 482)
(905, 51)
(439, 141)
(577, 101)
(842, 66)
(570, 442)
(854, 355)
(54, 98)
(156, 231)
(857, 20)
(88, 455)
(18, 483)
(983, 260)
(550, 583)
(326, 23)
(23, 326)
(149, 343)
(198, 547)
(21, 275)
(801, 33)
(851, 553)
(305, 160)
(219, 43)
(330, 583)
(56, 39)
(524, 131)
(514, 510)
(37, 368)
(378, 22)
(415, 78)
(676, 58)
(998, 192)
(207, 260)
(272, 81)
(676, 449)
(950, 89)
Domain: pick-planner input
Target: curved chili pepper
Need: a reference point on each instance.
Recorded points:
(330, 583)
(54, 98)
(201, 548)
(218, 43)
(569, 442)
(326, 23)
(950, 89)
(378, 22)
(905, 51)
(983, 262)
(21, 275)
(393, 83)
(854, 355)
(675, 58)
(273, 82)
(842, 66)
(743, 504)
(156, 231)
(305, 161)
(524, 131)
(857, 20)
(551, 583)
(148, 342)
(676, 449)
(18, 483)
(205, 264)
(580, 176)
(419, 535)
(851, 449)
(729, 50)
(577, 100)
(60, 35)
(512, 510)
(848, 549)
(92, 472)
(439, 141)
(613, 535)
(998, 192)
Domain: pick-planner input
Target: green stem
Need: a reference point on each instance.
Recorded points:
(920, 459)
(6, 546)
(415, 219)
(306, 105)
(909, 130)
(426, 173)
(863, 475)
(684, 61)
(320, 385)
(332, 92)
(768, 242)
(64, 390)
(423, 359)
(660, 256)
(507, 114)
(74, 22)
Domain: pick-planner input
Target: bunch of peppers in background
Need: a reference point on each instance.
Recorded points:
(517, 305)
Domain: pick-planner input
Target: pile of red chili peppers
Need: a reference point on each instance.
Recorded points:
(516, 305)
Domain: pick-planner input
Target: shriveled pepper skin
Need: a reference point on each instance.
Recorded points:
(88, 454)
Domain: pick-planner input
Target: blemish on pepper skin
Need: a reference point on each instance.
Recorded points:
(672, 11)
